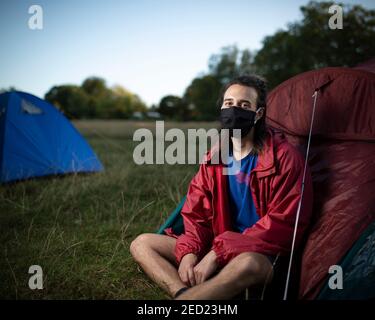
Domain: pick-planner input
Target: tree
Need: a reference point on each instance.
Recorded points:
(202, 94)
(246, 63)
(9, 89)
(201, 97)
(230, 62)
(95, 87)
(121, 103)
(223, 65)
(99, 96)
(310, 43)
(173, 107)
(94, 100)
(71, 100)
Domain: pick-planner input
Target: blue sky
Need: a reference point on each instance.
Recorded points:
(151, 47)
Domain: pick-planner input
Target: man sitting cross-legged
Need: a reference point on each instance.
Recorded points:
(237, 223)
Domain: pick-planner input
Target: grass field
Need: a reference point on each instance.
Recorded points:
(78, 228)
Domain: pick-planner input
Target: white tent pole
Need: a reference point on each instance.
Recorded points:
(315, 95)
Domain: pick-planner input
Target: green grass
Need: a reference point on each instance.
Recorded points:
(78, 228)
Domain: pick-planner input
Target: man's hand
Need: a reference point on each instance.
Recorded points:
(206, 267)
(186, 269)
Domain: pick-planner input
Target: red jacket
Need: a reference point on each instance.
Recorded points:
(275, 185)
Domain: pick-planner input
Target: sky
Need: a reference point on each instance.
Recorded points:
(151, 47)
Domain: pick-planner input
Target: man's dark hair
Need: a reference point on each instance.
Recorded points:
(260, 86)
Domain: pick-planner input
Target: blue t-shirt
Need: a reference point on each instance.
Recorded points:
(241, 201)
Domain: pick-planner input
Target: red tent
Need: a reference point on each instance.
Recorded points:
(341, 158)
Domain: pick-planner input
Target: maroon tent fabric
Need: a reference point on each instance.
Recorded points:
(367, 66)
(342, 159)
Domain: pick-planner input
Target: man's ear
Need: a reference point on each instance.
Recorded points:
(260, 111)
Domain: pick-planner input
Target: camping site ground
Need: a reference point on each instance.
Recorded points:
(78, 228)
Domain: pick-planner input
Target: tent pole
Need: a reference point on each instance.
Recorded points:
(315, 96)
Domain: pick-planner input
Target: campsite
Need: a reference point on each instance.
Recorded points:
(104, 129)
(98, 215)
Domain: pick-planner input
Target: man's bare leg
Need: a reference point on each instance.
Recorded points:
(155, 254)
(246, 270)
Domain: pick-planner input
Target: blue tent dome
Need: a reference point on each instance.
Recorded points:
(37, 140)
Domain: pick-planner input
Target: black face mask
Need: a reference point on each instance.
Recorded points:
(237, 118)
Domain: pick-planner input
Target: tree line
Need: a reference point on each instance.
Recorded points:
(93, 99)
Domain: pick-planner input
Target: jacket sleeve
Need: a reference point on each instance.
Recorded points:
(273, 233)
(197, 217)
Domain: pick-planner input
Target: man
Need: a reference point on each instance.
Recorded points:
(238, 224)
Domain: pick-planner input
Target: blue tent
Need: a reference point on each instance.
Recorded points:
(37, 140)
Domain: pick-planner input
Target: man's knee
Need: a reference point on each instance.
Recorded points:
(252, 264)
(140, 244)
